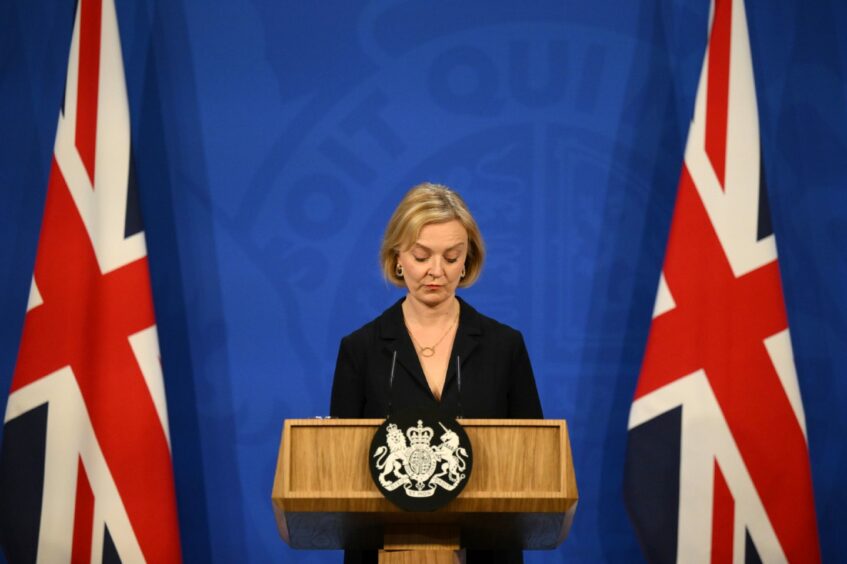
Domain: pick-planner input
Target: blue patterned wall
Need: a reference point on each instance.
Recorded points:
(272, 140)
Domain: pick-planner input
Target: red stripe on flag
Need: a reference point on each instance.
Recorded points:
(718, 318)
(88, 83)
(717, 96)
(84, 322)
(719, 325)
(83, 518)
(723, 519)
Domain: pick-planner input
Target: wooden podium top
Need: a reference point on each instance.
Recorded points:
(522, 491)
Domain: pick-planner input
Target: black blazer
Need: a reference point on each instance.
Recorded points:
(496, 375)
(496, 382)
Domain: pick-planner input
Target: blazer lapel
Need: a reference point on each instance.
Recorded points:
(395, 337)
(467, 339)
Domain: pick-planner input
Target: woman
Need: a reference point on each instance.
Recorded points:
(432, 246)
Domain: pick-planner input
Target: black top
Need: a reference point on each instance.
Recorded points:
(496, 381)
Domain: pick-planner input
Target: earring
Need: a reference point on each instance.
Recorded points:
(462, 275)
(398, 270)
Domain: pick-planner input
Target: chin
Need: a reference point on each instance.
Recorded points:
(434, 298)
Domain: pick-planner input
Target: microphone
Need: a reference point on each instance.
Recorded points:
(459, 386)
(391, 383)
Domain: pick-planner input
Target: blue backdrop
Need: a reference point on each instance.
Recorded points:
(272, 140)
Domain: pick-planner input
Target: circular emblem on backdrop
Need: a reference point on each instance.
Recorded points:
(420, 460)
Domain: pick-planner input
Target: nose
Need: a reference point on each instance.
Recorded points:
(436, 270)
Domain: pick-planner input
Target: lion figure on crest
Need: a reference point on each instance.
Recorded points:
(396, 455)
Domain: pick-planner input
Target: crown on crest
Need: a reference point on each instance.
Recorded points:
(420, 435)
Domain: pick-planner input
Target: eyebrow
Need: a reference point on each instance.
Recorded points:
(453, 248)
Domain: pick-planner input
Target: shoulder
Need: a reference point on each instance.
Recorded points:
(381, 326)
(488, 327)
(363, 334)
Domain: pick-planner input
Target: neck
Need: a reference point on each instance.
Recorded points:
(424, 314)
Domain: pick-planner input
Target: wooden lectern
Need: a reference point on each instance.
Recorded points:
(521, 493)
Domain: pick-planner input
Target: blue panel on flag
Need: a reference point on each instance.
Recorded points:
(21, 483)
(751, 555)
(764, 226)
(110, 553)
(651, 484)
(133, 223)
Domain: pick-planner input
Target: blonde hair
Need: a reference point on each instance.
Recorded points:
(424, 204)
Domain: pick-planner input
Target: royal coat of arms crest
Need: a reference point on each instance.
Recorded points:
(414, 473)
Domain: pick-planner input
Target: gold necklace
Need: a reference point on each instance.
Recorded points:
(429, 351)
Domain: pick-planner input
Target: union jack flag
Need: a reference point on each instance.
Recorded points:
(717, 466)
(85, 470)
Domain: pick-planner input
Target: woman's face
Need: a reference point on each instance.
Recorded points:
(432, 267)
